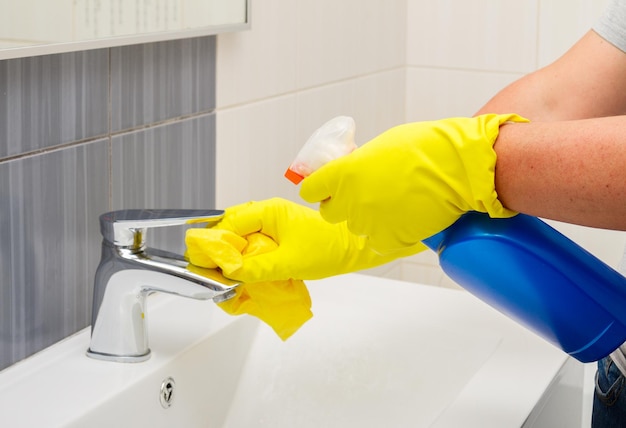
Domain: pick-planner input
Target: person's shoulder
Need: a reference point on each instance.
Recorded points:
(611, 25)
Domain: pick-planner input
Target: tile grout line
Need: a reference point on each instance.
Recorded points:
(299, 90)
(110, 139)
(108, 136)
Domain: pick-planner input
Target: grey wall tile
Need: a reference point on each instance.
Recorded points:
(52, 99)
(49, 245)
(50, 202)
(158, 81)
(167, 166)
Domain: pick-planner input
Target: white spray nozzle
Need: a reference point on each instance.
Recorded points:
(332, 140)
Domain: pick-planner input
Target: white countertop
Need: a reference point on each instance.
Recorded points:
(444, 358)
(377, 353)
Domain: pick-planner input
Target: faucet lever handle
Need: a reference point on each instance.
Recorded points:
(126, 228)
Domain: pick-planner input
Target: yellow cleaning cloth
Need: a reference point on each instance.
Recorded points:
(283, 305)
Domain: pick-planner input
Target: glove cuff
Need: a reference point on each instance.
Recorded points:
(480, 164)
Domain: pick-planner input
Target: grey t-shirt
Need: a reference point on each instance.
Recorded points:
(612, 24)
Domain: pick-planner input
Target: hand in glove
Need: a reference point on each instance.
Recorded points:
(412, 181)
(308, 246)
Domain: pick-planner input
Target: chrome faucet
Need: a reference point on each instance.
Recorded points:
(129, 271)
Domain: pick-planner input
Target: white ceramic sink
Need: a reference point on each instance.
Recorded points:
(377, 353)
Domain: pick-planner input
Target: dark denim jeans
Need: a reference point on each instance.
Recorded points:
(609, 402)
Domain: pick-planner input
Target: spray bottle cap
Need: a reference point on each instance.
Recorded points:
(293, 176)
(331, 141)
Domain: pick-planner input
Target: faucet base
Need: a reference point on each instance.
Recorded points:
(119, 358)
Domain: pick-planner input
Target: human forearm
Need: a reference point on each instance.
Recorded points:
(565, 164)
(588, 81)
(573, 171)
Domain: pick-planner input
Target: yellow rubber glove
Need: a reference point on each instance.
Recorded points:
(308, 246)
(283, 305)
(412, 181)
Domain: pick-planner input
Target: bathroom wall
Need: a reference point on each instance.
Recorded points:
(85, 132)
(459, 54)
(473, 49)
(301, 64)
(81, 134)
(383, 63)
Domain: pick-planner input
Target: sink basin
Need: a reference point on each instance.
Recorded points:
(192, 342)
(377, 353)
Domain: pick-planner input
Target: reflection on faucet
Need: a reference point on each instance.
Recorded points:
(129, 271)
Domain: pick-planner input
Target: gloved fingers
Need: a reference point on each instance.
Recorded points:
(333, 212)
(211, 248)
(260, 268)
(243, 219)
(316, 187)
(387, 246)
(272, 217)
(322, 187)
(384, 251)
(379, 238)
(259, 243)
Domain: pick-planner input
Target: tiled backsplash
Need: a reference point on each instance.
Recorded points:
(50, 100)
(80, 134)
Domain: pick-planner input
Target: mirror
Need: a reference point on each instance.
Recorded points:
(35, 27)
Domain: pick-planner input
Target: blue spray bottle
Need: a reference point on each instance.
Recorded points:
(520, 265)
(537, 276)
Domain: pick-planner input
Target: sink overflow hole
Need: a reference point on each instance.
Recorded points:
(167, 392)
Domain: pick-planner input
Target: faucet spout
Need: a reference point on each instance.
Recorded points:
(129, 271)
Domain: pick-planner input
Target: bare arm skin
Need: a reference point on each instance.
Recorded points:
(572, 171)
(569, 163)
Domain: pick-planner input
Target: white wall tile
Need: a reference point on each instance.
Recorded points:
(300, 45)
(497, 35)
(562, 23)
(439, 93)
(256, 143)
(260, 62)
(607, 245)
(320, 104)
(379, 103)
(348, 38)
(375, 101)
